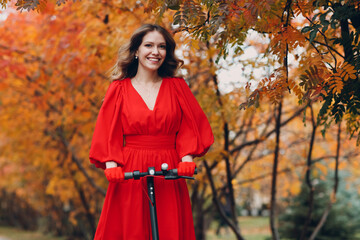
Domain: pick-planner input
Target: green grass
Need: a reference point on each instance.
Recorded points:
(252, 228)
(17, 234)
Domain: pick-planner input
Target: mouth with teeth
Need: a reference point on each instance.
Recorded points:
(154, 60)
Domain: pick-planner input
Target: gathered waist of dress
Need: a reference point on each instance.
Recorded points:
(150, 141)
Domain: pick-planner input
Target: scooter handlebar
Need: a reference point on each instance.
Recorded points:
(168, 174)
(175, 171)
(128, 175)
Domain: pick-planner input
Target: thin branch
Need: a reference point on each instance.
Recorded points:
(258, 140)
(83, 170)
(285, 170)
(329, 47)
(325, 38)
(79, 164)
(249, 157)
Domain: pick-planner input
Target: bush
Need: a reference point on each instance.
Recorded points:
(16, 212)
(342, 222)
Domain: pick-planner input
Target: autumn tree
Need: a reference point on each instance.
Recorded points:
(53, 82)
(330, 74)
(54, 78)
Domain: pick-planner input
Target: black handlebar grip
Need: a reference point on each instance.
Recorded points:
(175, 171)
(128, 175)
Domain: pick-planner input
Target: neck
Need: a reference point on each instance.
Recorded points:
(147, 76)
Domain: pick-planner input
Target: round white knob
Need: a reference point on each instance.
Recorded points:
(164, 166)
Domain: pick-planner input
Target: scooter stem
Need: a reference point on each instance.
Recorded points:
(152, 206)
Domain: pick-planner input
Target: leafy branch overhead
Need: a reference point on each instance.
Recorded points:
(32, 5)
(227, 23)
(327, 37)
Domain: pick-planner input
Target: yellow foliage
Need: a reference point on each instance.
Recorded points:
(323, 168)
(336, 79)
(295, 188)
(342, 165)
(303, 7)
(315, 173)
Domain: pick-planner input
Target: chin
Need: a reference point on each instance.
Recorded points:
(153, 67)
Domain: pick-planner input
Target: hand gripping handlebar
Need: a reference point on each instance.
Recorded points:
(168, 174)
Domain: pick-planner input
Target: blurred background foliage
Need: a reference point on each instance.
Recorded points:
(278, 80)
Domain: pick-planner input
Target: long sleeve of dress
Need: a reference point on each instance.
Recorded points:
(195, 135)
(107, 141)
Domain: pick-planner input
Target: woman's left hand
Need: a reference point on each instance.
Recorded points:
(186, 169)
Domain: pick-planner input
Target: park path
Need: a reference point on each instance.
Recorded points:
(4, 238)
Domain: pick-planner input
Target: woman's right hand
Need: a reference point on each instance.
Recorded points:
(114, 174)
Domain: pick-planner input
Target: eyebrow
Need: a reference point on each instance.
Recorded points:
(154, 43)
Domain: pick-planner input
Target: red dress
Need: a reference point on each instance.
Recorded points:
(135, 137)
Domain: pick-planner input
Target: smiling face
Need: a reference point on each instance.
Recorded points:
(152, 52)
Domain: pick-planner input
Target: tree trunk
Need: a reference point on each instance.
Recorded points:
(345, 39)
(218, 206)
(89, 216)
(336, 183)
(229, 178)
(198, 210)
(229, 175)
(274, 231)
(308, 177)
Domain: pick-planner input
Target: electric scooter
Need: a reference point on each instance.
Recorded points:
(168, 175)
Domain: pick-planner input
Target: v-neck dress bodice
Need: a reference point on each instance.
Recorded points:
(137, 118)
(132, 85)
(135, 137)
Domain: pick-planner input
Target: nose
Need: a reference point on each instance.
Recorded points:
(155, 51)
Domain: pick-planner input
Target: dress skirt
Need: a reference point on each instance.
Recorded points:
(126, 207)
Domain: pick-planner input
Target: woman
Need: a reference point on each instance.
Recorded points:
(148, 117)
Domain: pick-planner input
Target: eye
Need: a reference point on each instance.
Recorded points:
(163, 46)
(148, 45)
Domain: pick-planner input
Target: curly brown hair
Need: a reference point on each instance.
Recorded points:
(126, 65)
